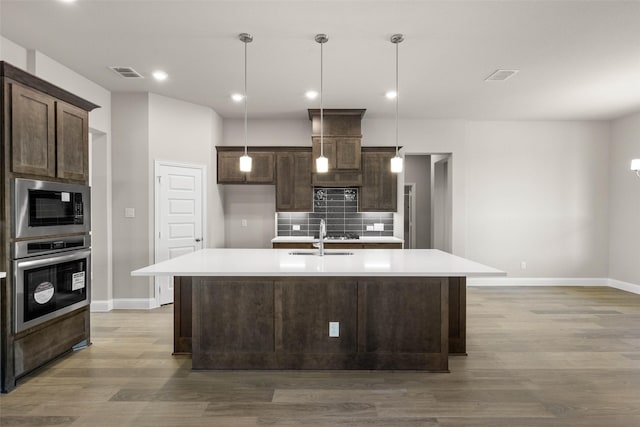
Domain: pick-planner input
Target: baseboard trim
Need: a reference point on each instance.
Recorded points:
(538, 281)
(101, 306)
(552, 281)
(134, 303)
(625, 286)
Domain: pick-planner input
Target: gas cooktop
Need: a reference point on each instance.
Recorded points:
(342, 236)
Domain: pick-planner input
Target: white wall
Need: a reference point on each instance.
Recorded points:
(624, 201)
(257, 205)
(537, 192)
(417, 170)
(14, 54)
(149, 127)
(131, 238)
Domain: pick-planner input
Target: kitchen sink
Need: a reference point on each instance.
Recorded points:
(317, 254)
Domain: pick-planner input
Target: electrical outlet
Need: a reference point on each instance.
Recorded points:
(295, 227)
(129, 212)
(378, 226)
(334, 329)
(369, 227)
(523, 265)
(244, 222)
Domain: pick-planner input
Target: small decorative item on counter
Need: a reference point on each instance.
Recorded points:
(320, 194)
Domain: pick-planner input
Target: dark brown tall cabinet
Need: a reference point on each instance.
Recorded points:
(379, 185)
(293, 183)
(44, 136)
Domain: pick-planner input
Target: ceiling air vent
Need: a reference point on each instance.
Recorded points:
(500, 75)
(127, 72)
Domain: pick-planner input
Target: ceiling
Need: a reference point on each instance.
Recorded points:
(578, 60)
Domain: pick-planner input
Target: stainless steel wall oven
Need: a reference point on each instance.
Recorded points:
(51, 277)
(44, 208)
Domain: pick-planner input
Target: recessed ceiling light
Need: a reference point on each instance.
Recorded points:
(391, 94)
(311, 94)
(237, 97)
(68, 1)
(160, 75)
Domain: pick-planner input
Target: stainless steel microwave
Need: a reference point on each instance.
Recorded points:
(44, 208)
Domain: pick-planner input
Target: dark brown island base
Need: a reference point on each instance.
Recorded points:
(284, 321)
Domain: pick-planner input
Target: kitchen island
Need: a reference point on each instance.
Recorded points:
(283, 309)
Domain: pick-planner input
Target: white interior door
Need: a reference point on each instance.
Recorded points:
(180, 228)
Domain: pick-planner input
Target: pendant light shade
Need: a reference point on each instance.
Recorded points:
(245, 160)
(322, 163)
(397, 161)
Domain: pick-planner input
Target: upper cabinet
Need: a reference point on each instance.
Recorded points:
(379, 185)
(342, 153)
(72, 147)
(33, 131)
(48, 132)
(262, 166)
(293, 183)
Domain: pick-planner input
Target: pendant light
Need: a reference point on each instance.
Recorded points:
(396, 162)
(245, 160)
(322, 163)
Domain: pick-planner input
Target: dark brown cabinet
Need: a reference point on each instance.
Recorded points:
(72, 147)
(49, 138)
(262, 167)
(229, 167)
(293, 182)
(342, 153)
(33, 131)
(379, 185)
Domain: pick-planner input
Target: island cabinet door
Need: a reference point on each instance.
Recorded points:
(406, 316)
(232, 322)
(305, 307)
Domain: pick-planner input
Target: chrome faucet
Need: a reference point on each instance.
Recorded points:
(323, 233)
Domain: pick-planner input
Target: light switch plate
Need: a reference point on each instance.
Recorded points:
(334, 329)
(129, 212)
(378, 226)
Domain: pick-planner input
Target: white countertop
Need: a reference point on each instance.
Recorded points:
(3, 274)
(362, 239)
(279, 262)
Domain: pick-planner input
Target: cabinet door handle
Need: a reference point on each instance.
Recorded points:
(198, 240)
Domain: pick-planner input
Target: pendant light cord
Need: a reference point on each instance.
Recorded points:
(245, 98)
(321, 108)
(397, 96)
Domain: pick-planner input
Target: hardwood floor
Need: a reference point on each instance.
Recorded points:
(537, 357)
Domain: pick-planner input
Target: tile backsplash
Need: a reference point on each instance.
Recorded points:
(339, 208)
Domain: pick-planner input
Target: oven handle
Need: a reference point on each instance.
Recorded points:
(75, 255)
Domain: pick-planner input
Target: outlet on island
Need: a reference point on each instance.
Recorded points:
(243, 222)
(334, 329)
